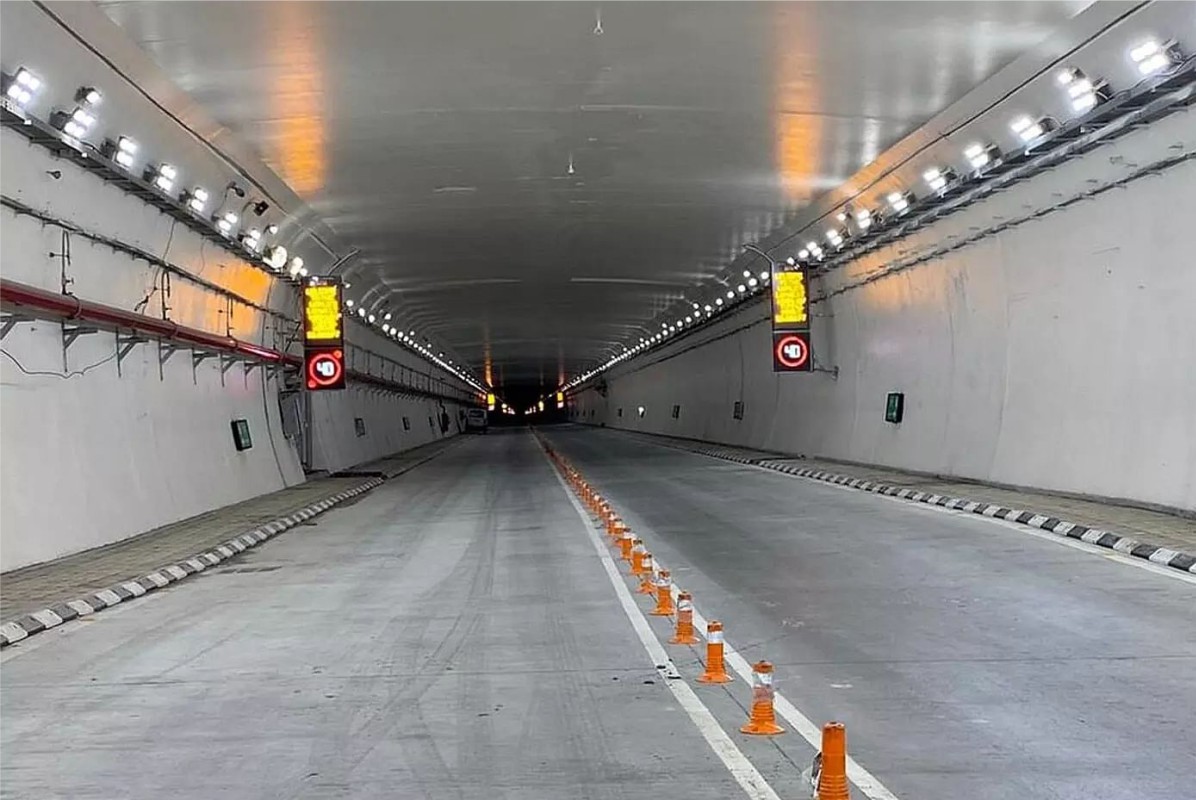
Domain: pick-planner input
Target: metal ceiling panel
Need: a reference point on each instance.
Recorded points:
(530, 190)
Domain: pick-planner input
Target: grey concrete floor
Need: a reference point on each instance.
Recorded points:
(968, 659)
(450, 635)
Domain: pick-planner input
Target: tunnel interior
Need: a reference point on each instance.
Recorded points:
(861, 328)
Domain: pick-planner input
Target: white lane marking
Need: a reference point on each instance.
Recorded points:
(744, 772)
(864, 780)
(1047, 536)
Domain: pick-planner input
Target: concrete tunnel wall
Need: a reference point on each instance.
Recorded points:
(1059, 353)
(98, 457)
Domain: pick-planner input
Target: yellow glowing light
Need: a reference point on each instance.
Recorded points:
(297, 147)
(322, 313)
(790, 306)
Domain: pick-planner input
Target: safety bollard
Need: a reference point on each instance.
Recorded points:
(832, 780)
(637, 556)
(625, 543)
(685, 620)
(648, 578)
(763, 719)
(664, 595)
(716, 668)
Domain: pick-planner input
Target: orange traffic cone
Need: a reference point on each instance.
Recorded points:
(716, 670)
(648, 577)
(832, 781)
(664, 595)
(763, 720)
(625, 545)
(685, 620)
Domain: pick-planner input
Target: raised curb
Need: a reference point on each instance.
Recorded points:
(1164, 556)
(47, 618)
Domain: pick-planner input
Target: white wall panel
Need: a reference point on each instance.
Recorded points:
(1059, 353)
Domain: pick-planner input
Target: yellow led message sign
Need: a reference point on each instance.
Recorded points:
(790, 303)
(322, 312)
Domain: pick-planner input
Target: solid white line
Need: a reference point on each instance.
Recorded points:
(744, 772)
(864, 780)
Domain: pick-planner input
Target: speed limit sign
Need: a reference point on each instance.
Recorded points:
(791, 352)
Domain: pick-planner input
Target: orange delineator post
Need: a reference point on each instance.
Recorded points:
(664, 595)
(832, 782)
(637, 557)
(648, 577)
(716, 670)
(625, 545)
(763, 719)
(685, 620)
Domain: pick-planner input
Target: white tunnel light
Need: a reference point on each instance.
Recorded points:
(898, 202)
(1081, 90)
(252, 239)
(387, 317)
(730, 295)
(791, 261)
(198, 199)
(385, 328)
(1027, 129)
(708, 308)
(935, 178)
(79, 123)
(1150, 56)
(370, 318)
(164, 177)
(718, 302)
(752, 282)
(23, 87)
(276, 258)
(125, 152)
(741, 288)
(228, 219)
(834, 237)
(804, 253)
(687, 319)
(349, 303)
(863, 219)
(978, 155)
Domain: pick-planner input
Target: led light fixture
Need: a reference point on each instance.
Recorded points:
(1028, 130)
(22, 86)
(899, 202)
(163, 177)
(225, 222)
(1151, 56)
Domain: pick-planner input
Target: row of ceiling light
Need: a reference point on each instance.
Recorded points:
(412, 340)
(22, 87)
(1085, 93)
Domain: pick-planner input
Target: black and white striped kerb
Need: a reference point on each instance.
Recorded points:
(52, 617)
(1185, 562)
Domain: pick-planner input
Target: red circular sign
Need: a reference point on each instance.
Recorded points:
(324, 369)
(792, 351)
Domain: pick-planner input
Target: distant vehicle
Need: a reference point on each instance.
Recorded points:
(476, 420)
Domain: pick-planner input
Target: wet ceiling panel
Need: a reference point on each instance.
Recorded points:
(530, 191)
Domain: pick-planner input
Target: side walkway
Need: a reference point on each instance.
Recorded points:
(1165, 539)
(44, 596)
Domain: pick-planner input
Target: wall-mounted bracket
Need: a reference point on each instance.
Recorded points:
(71, 332)
(125, 342)
(7, 321)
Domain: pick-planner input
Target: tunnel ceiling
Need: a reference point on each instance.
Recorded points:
(530, 191)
